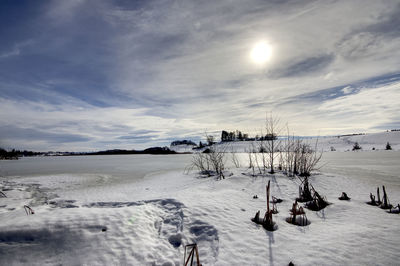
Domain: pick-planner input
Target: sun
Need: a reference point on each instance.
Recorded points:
(261, 53)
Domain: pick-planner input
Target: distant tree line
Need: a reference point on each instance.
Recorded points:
(210, 140)
(152, 150)
(183, 142)
(15, 154)
(233, 136)
(350, 135)
(269, 136)
(226, 136)
(237, 135)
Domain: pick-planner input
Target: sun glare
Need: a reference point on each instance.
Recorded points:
(261, 53)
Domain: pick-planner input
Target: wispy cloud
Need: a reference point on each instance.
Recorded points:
(139, 73)
(304, 66)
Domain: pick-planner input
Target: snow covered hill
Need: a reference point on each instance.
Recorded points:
(376, 141)
(371, 141)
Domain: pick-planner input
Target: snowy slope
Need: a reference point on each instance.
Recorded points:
(344, 143)
(367, 141)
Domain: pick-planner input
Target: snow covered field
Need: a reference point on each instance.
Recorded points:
(367, 142)
(142, 210)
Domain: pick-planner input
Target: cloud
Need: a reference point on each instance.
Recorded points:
(347, 90)
(14, 133)
(364, 108)
(91, 126)
(139, 139)
(303, 67)
(377, 103)
(15, 51)
(140, 135)
(388, 23)
(123, 72)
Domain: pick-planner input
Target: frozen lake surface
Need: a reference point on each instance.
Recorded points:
(130, 167)
(373, 167)
(126, 165)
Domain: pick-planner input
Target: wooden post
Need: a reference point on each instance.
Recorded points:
(197, 256)
(268, 196)
(385, 199)
(379, 197)
(191, 255)
(267, 221)
(294, 212)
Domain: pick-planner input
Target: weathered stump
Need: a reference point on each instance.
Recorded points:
(256, 218)
(317, 203)
(267, 222)
(344, 196)
(304, 191)
(276, 200)
(297, 216)
(373, 201)
(395, 210)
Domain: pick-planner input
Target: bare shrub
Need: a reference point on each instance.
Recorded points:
(272, 126)
(297, 157)
(234, 158)
(256, 159)
(199, 162)
(308, 158)
(291, 155)
(251, 163)
(262, 149)
(217, 160)
(249, 154)
(210, 162)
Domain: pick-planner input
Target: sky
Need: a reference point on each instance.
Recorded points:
(92, 75)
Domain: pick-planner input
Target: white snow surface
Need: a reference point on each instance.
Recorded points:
(367, 142)
(86, 219)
